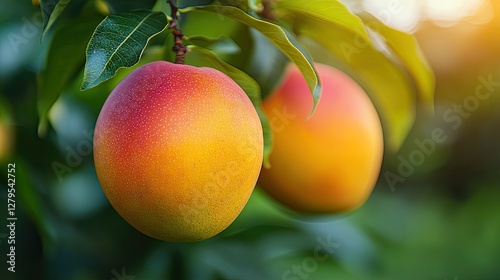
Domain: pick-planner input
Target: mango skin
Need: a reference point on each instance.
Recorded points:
(178, 150)
(329, 163)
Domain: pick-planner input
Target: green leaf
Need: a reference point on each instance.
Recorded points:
(47, 7)
(388, 85)
(266, 65)
(123, 6)
(406, 48)
(52, 17)
(65, 58)
(245, 5)
(218, 45)
(279, 37)
(242, 4)
(119, 41)
(333, 13)
(195, 24)
(189, 3)
(208, 58)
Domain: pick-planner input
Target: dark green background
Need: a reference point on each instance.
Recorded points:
(442, 222)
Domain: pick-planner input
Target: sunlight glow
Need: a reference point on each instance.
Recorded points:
(406, 14)
(401, 14)
(449, 12)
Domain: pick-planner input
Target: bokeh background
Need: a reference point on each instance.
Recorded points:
(436, 217)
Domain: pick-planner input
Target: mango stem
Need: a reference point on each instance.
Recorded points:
(179, 48)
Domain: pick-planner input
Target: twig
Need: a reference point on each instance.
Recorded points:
(179, 48)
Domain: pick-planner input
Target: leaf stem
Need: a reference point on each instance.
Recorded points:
(179, 48)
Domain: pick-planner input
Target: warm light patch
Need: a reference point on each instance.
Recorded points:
(450, 12)
(406, 14)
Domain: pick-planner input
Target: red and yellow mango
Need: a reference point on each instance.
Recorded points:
(178, 150)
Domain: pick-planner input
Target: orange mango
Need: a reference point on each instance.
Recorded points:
(330, 162)
(178, 150)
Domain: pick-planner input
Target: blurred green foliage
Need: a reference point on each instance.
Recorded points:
(442, 222)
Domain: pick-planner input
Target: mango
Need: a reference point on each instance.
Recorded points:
(178, 150)
(330, 162)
